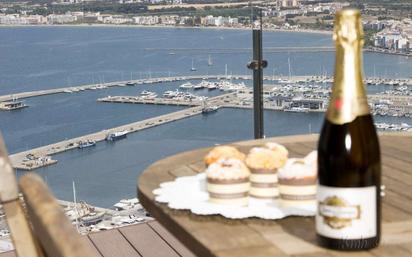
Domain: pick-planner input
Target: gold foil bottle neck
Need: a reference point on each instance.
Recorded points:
(348, 28)
(348, 99)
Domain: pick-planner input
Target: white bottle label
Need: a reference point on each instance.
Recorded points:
(346, 212)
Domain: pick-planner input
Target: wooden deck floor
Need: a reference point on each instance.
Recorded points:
(141, 240)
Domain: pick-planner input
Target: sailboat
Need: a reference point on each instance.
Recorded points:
(290, 72)
(289, 80)
(193, 67)
(226, 71)
(209, 61)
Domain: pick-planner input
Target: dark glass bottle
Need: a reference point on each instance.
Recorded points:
(349, 165)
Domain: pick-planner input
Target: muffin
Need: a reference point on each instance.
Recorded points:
(264, 164)
(280, 150)
(223, 152)
(228, 182)
(298, 181)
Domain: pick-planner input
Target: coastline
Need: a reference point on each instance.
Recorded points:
(97, 25)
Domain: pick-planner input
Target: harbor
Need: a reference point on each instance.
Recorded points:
(42, 156)
(276, 79)
(299, 97)
(298, 94)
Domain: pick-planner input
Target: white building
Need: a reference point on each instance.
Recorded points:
(168, 19)
(146, 20)
(17, 19)
(288, 3)
(116, 19)
(61, 18)
(219, 21)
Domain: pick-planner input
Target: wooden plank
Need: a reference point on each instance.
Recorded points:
(147, 242)
(400, 143)
(397, 233)
(228, 236)
(396, 164)
(111, 243)
(167, 219)
(289, 243)
(397, 174)
(198, 166)
(407, 247)
(349, 254)
(8, 254)
(401, 202)
(182, 171)
(170, 239)
(297, 149)
(396, 186)
(256, 251)
(391, 213)
(56, 234)
(281, 140)
(391, 251)
(311, 144)
(92, 246)
(396, 153)
(302, 227)
(318, 254)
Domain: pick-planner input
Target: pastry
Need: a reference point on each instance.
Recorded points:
(264, 164)
(223, 152)
(228, 182)
(298, 181)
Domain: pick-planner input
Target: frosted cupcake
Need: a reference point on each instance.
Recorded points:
(225, 152)
(298, 181)
(279, 149)
(228, 182)
(264, 164)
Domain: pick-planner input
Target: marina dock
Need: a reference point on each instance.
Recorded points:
(286, 98)
(243, 99)
(20, 160)
(97, 86)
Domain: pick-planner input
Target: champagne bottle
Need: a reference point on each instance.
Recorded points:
(349, 166)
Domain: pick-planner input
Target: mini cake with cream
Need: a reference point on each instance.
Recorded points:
(298, 181)
(280, 150)
(264, 164)
(225, 152)
(228, 182)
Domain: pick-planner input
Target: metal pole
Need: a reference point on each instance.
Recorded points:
(257, 84)
(257, 64)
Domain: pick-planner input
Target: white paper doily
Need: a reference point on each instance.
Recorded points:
(189, 193)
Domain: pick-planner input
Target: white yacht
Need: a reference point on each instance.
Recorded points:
(198, 86)
(297, 109)
(187, 85)
(170, 94)
(145, 92)
(212, 86)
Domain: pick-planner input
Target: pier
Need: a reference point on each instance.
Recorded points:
(20, 160)
(243, 99)
(81, 88)
(141, 100)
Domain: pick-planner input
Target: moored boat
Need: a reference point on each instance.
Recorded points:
(116, 135)
(209, 109)
(86, 144)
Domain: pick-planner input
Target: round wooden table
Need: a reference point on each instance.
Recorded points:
(293, 236)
